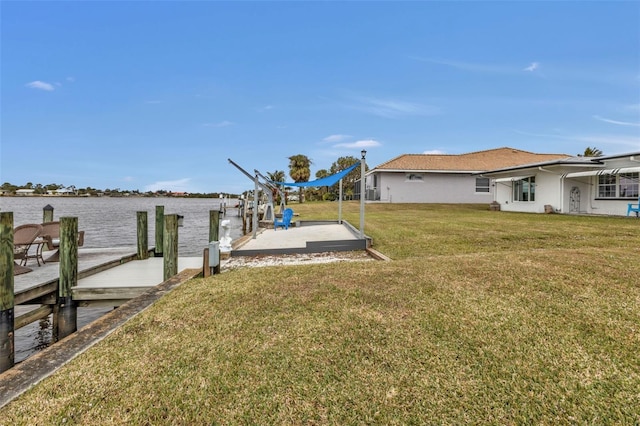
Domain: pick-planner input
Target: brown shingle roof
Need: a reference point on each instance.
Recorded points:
(473, 161)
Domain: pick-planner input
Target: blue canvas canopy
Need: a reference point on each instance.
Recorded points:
(325, 181)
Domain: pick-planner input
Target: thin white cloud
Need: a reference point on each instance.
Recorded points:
(180, 185)
(266, 108)
(597, 140)
(468, 66)
(335, 138)
(224, 123)
(391, 108)
(619, 123)
(364, 143)
(41, 85)
(534, 66)
(434, 152)
(71, 79)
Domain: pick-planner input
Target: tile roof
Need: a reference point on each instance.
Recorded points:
(470, 162)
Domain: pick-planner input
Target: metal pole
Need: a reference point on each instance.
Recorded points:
(254, 219)
(340, 203)
(362, 193)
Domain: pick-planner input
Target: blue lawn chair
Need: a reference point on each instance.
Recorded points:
(636, 209)
(286, 220)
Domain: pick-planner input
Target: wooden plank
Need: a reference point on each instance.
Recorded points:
(107, 293)
(31, 316)
(42, 291)
(107, 303)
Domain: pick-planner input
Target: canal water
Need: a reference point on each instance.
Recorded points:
(112, 222)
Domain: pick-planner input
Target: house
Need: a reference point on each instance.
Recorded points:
(61, 191)
(25, 192)
(594, 185)
(443, 178)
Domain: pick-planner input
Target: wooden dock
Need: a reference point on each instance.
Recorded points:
(107, 274)
(115, 286)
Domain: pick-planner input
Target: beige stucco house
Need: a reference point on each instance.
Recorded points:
(444, 178)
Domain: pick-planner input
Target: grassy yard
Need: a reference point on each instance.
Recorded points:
(481, 318)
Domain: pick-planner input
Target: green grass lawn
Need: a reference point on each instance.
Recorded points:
(481, 318)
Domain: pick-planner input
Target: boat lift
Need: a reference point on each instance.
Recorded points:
(267, 187)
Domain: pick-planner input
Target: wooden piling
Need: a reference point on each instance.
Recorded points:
(47, 213)
(244, 222)
(143, 235)
(65, 318)
(159, 231)
(206, 270)
(214, 225)
(170, 246)
(214, 232)
(7, 349)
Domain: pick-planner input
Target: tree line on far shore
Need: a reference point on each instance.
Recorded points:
(299, 171)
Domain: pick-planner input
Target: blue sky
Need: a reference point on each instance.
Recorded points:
(158, 95)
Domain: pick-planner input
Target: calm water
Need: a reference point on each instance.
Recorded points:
(112, 222)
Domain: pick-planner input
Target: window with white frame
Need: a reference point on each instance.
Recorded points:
(623, 185)
(607, 186)
(628, 185)
(524, 189)
(482, 185)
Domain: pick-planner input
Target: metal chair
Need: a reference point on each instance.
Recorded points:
(23, 238)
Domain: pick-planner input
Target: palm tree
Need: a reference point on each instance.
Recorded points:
(299, 170)
(591, 152)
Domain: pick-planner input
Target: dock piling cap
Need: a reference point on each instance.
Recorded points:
(48, 207)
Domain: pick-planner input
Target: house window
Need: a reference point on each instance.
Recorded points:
(607, 186)
(413, 177)
(628, 185)
(623, 185)
(524, 189)
(482, 185)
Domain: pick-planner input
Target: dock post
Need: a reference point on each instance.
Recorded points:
(7, 348)
(143, 236)
(170, 246)
(47, 213)
(244, 222)
(214, 232)
(214, 225)
(65, 320)
(159, 231)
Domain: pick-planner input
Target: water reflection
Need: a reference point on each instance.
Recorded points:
(43, 337)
